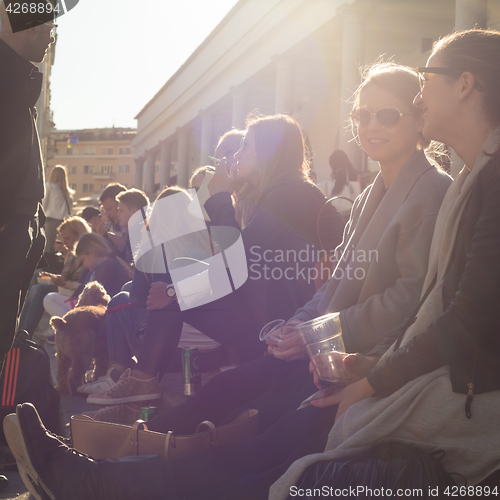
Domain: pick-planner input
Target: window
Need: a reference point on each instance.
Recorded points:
(103, 187)
(124, 169)
(106, 151)
(69, 151)
(106, 169)
(73, 170)
(88, 188)
(157, 168)
(72, 186)
(124, 151)
(88, 169)
(75, 150)
(89, 151)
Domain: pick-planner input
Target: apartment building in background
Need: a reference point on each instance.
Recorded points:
(44, 121)
(93, 158)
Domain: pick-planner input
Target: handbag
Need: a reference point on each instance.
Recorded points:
(108, 440)
(387, 465)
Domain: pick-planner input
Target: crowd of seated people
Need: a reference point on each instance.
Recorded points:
(420, 322)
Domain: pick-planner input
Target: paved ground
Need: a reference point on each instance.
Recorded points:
(172, 389)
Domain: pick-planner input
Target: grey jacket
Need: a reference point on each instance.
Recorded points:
(383, 258)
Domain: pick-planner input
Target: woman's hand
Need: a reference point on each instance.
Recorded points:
(350, 395)
(222, 181)
(290, 347)
(58, 280)
(356, 366)
(158, 298)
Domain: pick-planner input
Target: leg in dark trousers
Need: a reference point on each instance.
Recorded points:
(21, 247)
(272, 386)
(262, 459)
(257, 487)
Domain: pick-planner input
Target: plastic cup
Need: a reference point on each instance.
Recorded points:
(320, 328)
(327, 356)
(272, 330)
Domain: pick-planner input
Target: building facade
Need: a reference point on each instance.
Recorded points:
(44, 120)
(99, 157)
(300, 57)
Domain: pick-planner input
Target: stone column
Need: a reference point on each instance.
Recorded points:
(239, 107)
(284, 86)
(183, 157)
(470, 14)
(353, 49)
(206, 142)
(164, 164)
(150, 173)
(139, 168)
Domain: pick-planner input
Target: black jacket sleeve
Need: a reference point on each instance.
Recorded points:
(471, 321)
(15, 145)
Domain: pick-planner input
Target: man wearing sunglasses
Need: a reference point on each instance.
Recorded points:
(24, 39)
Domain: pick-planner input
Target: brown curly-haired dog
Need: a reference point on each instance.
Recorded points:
(81, 338)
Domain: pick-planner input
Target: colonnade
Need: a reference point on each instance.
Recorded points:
(468, 14)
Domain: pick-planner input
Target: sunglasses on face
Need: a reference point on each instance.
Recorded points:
(442, 71)
(387, 117)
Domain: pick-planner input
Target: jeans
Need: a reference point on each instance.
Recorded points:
(33, 307)
(125, 330)
(153, 336)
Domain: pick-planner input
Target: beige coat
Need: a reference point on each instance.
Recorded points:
(384, 255)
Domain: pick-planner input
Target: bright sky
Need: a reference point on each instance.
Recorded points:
(113, 56)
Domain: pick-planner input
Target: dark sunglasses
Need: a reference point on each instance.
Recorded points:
(387, 117)
(443, 71)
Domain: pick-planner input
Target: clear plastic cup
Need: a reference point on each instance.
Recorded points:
(327, 356)
(319, 328)
(272, 330)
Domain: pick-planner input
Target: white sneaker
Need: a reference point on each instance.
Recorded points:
(100, 386)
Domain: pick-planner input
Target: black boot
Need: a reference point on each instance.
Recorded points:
(52, 470)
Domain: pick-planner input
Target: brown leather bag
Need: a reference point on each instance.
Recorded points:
(107, 440)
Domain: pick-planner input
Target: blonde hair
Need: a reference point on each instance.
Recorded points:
(93, 242)
(58, 175)
(75, 225)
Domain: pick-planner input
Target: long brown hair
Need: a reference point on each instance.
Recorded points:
(280, 150)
